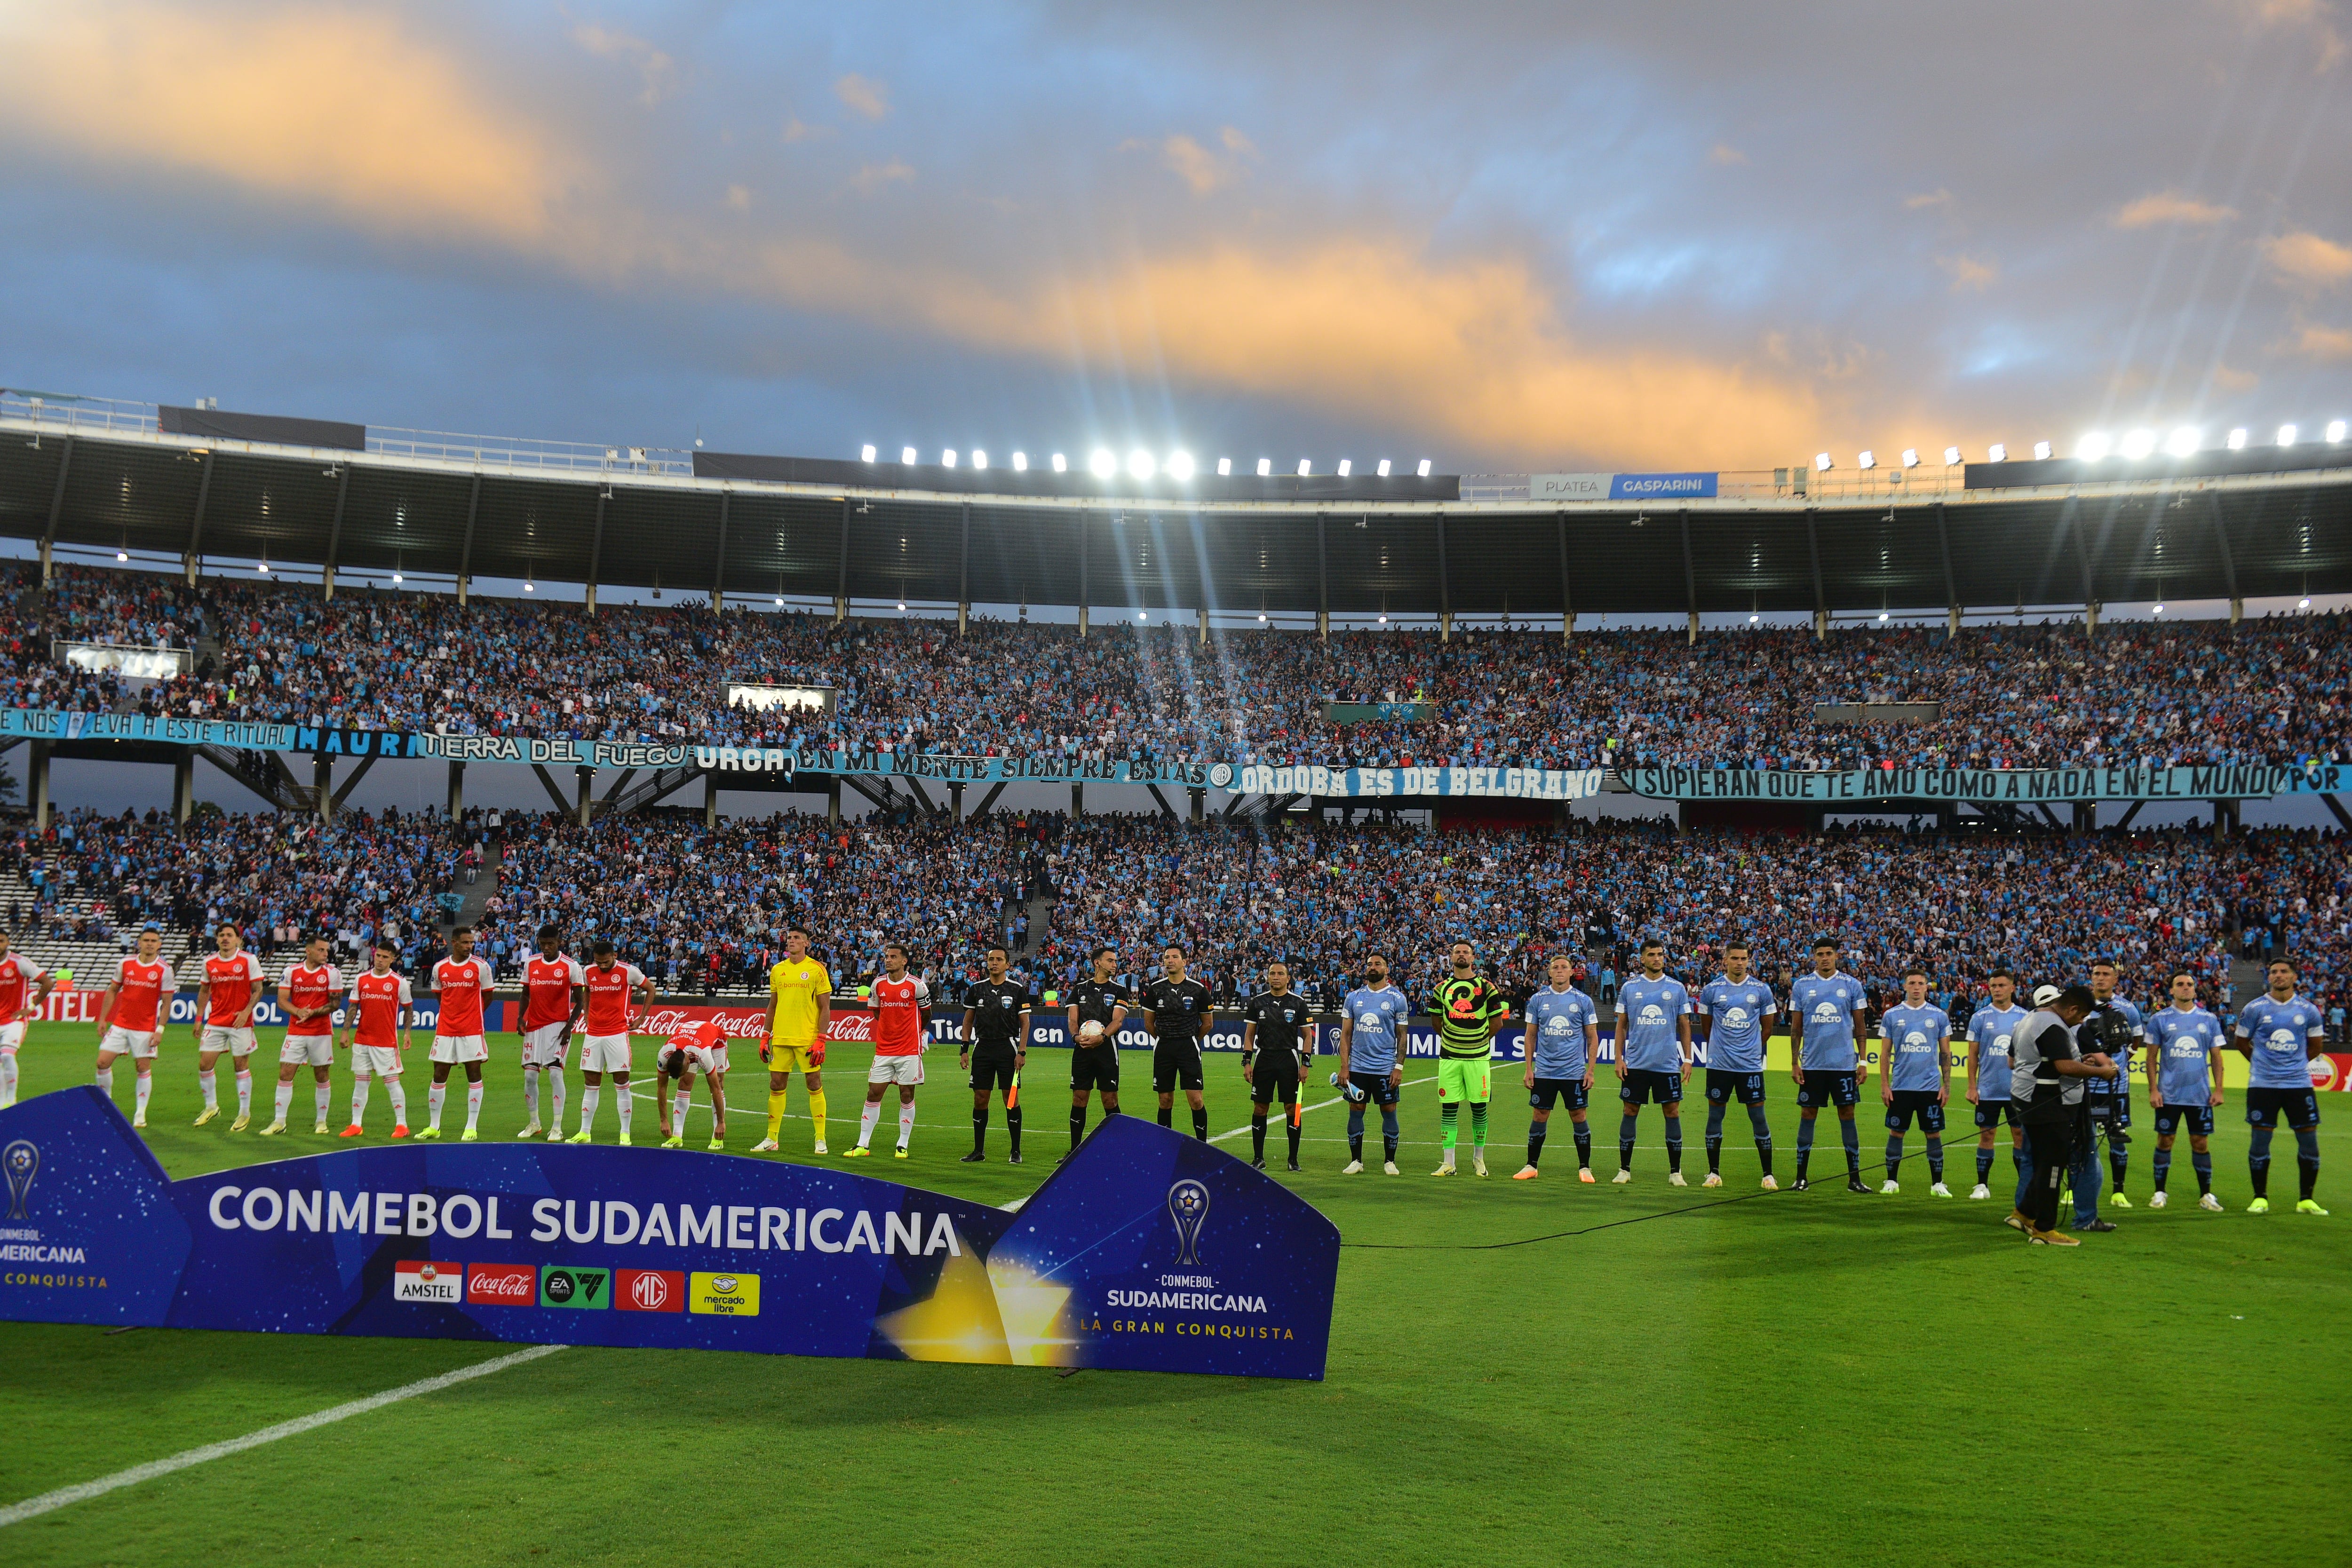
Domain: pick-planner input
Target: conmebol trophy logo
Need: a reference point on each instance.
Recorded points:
(22, 1161)
(1188, 1205)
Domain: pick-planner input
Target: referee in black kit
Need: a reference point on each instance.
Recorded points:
(2048, 1072)
(1273, 1022)
(1176, 1009)
(995, 1043)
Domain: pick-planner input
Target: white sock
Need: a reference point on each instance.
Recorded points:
(320, 1095)
(399, 1101)
(555, 1081)
(678, 1113)
(359, 1100)
(105, 1080)
(589, 1095)
(531, 1092)
(285, 1101)
(205, 1082)
(473, 1105)
(146, 1086)
(243, 1089)
(626, 1105)
(433, 1099)
(7, 1078)
(906, 1125)
(866, 1120)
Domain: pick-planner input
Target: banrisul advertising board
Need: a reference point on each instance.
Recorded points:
(1147, 1250)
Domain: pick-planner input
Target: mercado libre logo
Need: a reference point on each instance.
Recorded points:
(20, 1162)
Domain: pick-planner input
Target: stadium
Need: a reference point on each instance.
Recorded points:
(575, 826)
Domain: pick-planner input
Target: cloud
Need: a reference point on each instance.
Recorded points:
(739, 198)
(872, 177)
(657, 71)
(864, 96)
(1206, 172)
(1937, 198)
(334, 110)
(2315, 18)
(1725, 153)
(2230, 380)
(2305, 257)
(1969, 272)
(797, 130)
(2170, 206)
(2323, 343)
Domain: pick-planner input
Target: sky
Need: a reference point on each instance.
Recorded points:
(1506, 237)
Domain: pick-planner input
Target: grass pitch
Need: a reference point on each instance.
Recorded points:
(1814, 1375)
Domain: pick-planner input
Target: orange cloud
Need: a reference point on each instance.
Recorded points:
(864, 96)
(1969, 272)
(2323, 343)
(2170, 206)
(2305, 257)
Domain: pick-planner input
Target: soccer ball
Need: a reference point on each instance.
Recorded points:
(1090, 1033)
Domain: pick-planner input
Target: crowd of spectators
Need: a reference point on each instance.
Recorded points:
(2276, 690)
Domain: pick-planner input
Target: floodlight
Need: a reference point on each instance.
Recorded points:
(2237, 439)
(1910, 457)
(2138, 444)
(1345, 463)
(1383, 469)
(1997, 453)
(1821, 462)
(2336, 430)
(123, 555)
(1424, 470)
(2159, 609)
(2286, 436)
(2183, 441)
(1304, 467)
(1868, 460)
(1951, 457)
(1265, 467)
(948, 459)
(1103, 463)
(907, 455)
(1225, 467)
(979, 458)
(1061, 464)
(2041, 451)
(1020, 462)
(1142, 464)
(865, 453)
(1180, 465)
(2094, 445)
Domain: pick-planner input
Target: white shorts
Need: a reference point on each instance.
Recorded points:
(896, 1070)
(12, 1035)
(138, 1043)
(319, 1050)
(236, 1042)
(460, 1048)
(605, 1053)
(544, 1046)
(702, 1059)
(375, 1061)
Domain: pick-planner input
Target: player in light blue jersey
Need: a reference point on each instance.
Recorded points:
(1916, 1080)
(1372, 1060)
(1737, 1011)
(1990, 1029)
(2280, 1033)
(1830, 1066)
(2184, 1044)
(1561, 1043)
(1653, 1049)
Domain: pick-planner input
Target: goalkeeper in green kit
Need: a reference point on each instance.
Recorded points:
(1468, 1008)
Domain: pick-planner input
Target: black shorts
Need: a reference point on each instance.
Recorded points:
(1647, 1086)
(1175, 1064)
(1918, 1102)
(1095, 1067)
(1374, 1087)
(2199, 1118)
(1268, 1081)
(1824, 1087)
(2110, 1111)
(1550, 1090)
(1747, 1088)
(1989, 1113)
(992, 1068)
(2301, 1105)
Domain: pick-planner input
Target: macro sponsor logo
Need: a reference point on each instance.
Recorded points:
(725, 1295)
(648, 1290)
(578, 1287)
(435, 1282)
(501, 1285)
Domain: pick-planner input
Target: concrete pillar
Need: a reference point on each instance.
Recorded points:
(832, 800)
(39, 784)
(188, 569)
(592, 598)
(2225, 818)
(955, 802)
(1952, 622)
(1694, 628)
(1820, 626)
(709, 799)
(1567, 626)
(717, 601)
(2237, 611)
(1082, 620)
(1204, 625)
(183, 786)
(2091, 618)
(585, 800)
(2086, 816)
(1323, 624)
(327, 582)
(323, 785)
(840, 609)
(457, 790)
(1446, 626)
(462, 582)
(1078, 800)
(45, 566)
(1199, 802)
(964, 619)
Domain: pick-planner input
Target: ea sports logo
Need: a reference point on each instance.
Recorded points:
(648, 1292)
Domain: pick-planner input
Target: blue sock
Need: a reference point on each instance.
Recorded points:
(1893, 1157)
(2307, 1158)
(2163, 1167)
(2258, 1162)
(1713, 1135)
(1763, 1131)
(1625, 1144)
(1388, 1134)
(2203, 1166)
(1583, 1145)
(1355, 1133)
(1852, 1136)
(1935, 1158)
(1804, 1145)
(1536, 1131)
(1674, 1144)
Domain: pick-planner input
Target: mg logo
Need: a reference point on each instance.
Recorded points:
(648, 1293)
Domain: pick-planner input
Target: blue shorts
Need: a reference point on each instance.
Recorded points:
(1920, 1103)
(1823, 1088)
(1549, 1089)
(1989, 1113)
(1646, 1086)
(2301, 1105)
(1747, 1088)
(1374, 1087)
(2199, 1118)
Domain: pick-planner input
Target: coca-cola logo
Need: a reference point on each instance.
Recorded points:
(850, 1026)
(736, 1023)
(502, 1284)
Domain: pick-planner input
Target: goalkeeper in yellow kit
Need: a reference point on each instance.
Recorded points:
(796, 1038)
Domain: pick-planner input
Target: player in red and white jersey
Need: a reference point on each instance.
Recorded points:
(310, 991)
(23, 986)
(462, 981)
(551, 1001)
(377, 1032)
(613, 989)
(703, 1049)
(227, 988)
(899, 999)
(130, 1019)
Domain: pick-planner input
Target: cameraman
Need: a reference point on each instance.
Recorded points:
(2114, 1029)
(2049, 1071)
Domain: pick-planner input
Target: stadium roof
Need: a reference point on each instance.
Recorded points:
(450, 505)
